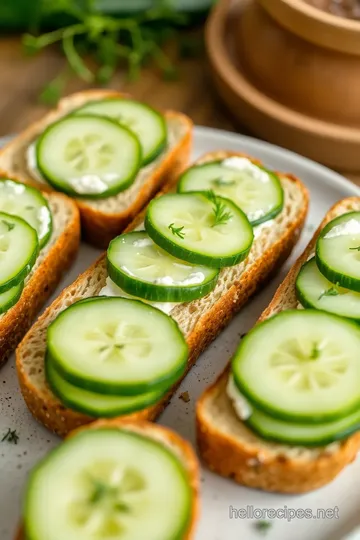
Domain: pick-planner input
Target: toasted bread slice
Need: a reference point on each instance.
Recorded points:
(231, 449)
(53, 261)
(200, 320)
(103, 219)
(181, 448)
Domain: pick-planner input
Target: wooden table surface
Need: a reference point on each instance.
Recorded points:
(23, 78)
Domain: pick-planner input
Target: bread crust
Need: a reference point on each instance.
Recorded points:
(17, 320)
(252, 464)
(99, 227)
(62, 420)
(175, 443)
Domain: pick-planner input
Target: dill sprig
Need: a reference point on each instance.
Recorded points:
(221, 215)
(177, 231)
(329, 292)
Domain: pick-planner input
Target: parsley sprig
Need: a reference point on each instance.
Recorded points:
(221, 215)
(177, 231)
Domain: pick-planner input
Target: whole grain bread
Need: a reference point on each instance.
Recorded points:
(103, 219)
(200, 320)
(231, 449)
(171, 440)
(53, 261)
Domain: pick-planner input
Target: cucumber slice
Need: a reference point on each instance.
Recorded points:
(19, 248)
(25, 201)
(200, 228)
(147, 124)
(108, 483)
(88, 156)
(280, 431)
(143, 269)
(255, 190)
(114, 345)
(93, 404)
(9, 298)
(315, 291)
(302, 366)
(338, 251)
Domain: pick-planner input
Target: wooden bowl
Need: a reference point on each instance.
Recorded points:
(262, 74)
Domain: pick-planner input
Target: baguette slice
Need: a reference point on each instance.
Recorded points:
(181, 448)
(231, 449)
(200, 320)
(103, 219)
(53, 261)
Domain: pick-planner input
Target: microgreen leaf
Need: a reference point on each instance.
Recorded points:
(177, 231)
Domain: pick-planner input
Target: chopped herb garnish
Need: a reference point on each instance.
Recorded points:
(10, 436)
(355, 248)
(221, 182)
(177, 231)
(8, 224)
(330, 292)
(263, 526)
(221, 216)
(29, 207)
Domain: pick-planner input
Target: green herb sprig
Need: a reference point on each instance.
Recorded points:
(132, 40)
(221, 215)
(177, 231)
(263, 526)
(329, 292)
(10, 436)
(10, 226)
(220, 182)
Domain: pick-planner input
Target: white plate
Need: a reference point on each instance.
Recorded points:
(218, 494)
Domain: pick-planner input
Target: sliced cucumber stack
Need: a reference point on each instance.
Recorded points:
(200, 228)
(108, 483)
(143, 269)
(301, 366)
(315, 291)
(338, 251)
(255, 190)
(25, 201)
(88, 156)
(274, 429)
(116, 346)
(95, 404)
(19, 248)
(147, 124)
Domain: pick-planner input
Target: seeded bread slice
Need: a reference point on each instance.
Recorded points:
(229, 448)
(200, 320)
(54, 259)
(103, 219)
(181, 449)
